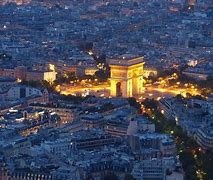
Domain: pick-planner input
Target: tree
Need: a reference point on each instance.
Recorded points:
(5, 57)
(100, 59)
(66, 78)
(102, 75)
(198, 97)
(191, 157)
(86, 46)
(129, 177)
(87, 77)
(150, 103)
(191, 44)
(39, 84)
(74, 99)
(179, 97)
(165, 73)
(168, 172)
(132, 102)
(188, 95)
(110, 176)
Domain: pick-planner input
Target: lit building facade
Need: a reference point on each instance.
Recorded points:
(191, 2)
(18, 2)
(91, 71)
(150, 72)
(49, 76)
(22, 73)
(126, 77)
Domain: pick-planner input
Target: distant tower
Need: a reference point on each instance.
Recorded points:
(126, 76)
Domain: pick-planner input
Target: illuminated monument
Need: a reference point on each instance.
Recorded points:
(126, 76)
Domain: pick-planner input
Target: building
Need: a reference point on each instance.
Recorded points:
(144, 124)
(4, 173)
(90, 70)
(17, 73)
(164, 143)
(64, 173)
(21, 73)
(7, 81)
(20, 92)
(57, 146)
(150, 72)
(92, 121)
(81, 140)
(196, 75)
(49, 76)
(204, 138)
(89, 143)
(104, 162)
(27, 174)
(199, 72)
(158, 169)
(14, 148)
(66, 114)
(149, 169)
(167, 109)
(191, 2)
(117, 128)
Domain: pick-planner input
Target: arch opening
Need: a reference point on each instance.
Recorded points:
(118, 89)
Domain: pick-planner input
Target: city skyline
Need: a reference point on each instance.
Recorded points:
(106, 90)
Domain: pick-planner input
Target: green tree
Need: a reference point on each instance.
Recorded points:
(74, 99)
(110, 176)
(133, 102)
(129, 177)
(191, 157)
(39, 84)
(65, 78)
(150, 103)
(102, 75)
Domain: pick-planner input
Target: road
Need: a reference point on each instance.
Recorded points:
(99, 90)
(155, 91)
(103, 90)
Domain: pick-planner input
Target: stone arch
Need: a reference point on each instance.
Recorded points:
(126, 77)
